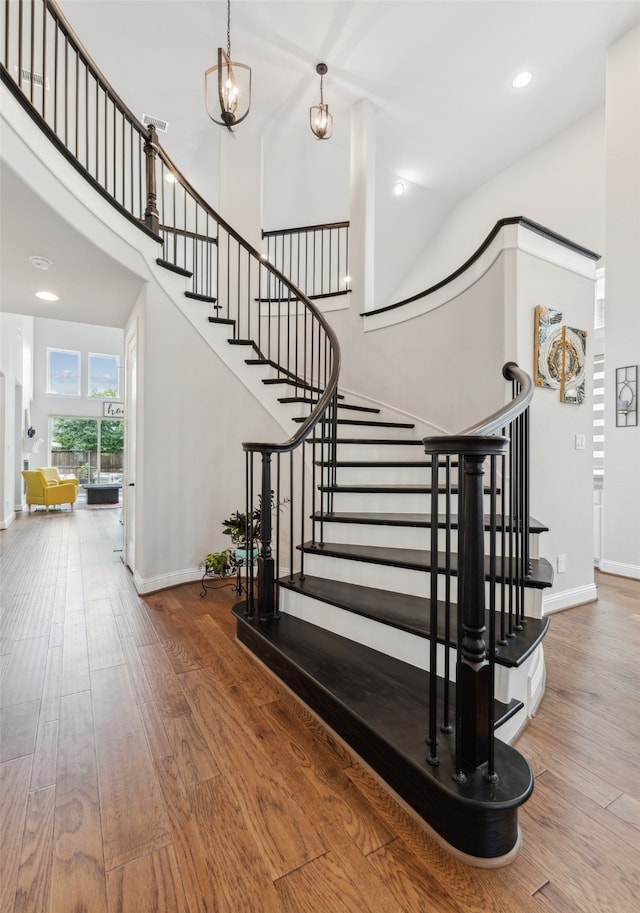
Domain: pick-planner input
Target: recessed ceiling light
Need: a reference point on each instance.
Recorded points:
(40, 262)
(520, 80)
(397, 189)
(47, 296)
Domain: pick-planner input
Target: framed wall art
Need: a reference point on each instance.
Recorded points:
(559, 355)
(627, 396)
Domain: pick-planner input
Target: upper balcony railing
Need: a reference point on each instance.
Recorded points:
(315, 257)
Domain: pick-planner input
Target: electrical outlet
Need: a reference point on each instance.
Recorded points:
(581, 441)
(561, 563)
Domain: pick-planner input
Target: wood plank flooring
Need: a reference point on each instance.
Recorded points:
(149, 765)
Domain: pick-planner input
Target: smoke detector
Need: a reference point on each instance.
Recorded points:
(40, 262)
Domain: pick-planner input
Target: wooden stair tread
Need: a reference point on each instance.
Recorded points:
(420, 560)
(372, 423)
(413, 442)
(389, 489)
(414, 520)
(379, 464)
(312, 402)
(410, 613)
(379, 706)
(196, 296)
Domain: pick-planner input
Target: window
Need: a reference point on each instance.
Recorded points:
(598, 421)
(63, 372)
(598, 322)
(104, 375)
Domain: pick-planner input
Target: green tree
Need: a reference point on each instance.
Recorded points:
(112, 437)
(82, 434)
(76, 434)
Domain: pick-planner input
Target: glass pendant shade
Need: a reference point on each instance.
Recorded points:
(227, 89)
(321, 121)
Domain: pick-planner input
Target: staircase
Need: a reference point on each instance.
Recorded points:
(363, 624)
(400, 596)
(352, 635)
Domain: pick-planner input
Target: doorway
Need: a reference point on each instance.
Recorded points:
(90, 449)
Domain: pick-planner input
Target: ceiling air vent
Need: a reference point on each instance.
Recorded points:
(38, 79)
(161, 125)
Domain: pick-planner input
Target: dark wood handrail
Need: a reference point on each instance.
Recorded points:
(500, 224)
(303, 228)
(507, 414)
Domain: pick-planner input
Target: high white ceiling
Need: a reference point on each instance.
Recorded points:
(438, 73)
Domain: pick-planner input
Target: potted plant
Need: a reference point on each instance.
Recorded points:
(219, 564)
(243, 527)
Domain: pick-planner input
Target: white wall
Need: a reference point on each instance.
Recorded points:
(561, 475)
(16, 359)
(621, 546)
(561, 185)
(191, 424)
(306, 180)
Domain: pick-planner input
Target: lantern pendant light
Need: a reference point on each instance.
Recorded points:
(320, 120)
(227, 86)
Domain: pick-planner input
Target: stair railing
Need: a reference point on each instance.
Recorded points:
(488, 571)
(315, 257)
(54, 78)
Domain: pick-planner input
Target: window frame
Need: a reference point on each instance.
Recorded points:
(116, 359)
(51, 350)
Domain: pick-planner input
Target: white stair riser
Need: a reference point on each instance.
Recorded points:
(399, 579)
(525, 683)
(401, 536)
(371, 452)
(346, 428)
(384, 475)
(391, 641)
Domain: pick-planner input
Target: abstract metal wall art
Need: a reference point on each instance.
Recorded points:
(559, 355)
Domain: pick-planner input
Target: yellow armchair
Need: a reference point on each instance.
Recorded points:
(53, 477)
(46, 494)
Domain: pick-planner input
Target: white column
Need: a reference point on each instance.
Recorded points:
(362, 205)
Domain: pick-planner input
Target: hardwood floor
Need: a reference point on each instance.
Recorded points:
(149, 765)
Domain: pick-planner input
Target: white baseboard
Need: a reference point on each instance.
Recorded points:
(145, 585)
(620, 569)
(567, 599)
(8, 520)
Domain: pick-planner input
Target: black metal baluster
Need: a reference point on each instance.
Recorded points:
(491, 770)
(291, 524)
(446, 721)
(432, 739)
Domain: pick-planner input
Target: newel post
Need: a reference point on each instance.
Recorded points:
(474, 670)
(151, 218)
(266, 564)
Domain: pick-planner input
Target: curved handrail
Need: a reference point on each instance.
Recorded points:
(507, 414)
(500, 224)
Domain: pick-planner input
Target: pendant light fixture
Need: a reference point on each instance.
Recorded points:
(320, 120)
(227, 86)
